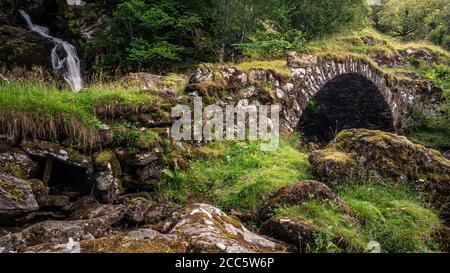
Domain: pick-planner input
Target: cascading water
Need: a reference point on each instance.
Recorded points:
(70, 64)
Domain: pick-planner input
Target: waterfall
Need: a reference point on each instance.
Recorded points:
(70, 64)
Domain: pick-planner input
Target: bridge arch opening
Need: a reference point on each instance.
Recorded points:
(345, 102)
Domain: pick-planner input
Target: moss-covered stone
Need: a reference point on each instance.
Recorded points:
(147, 139)
(18, 164)
(16, 195)
(127, 244)
(375, 155)
(40, 191)
(106, 157)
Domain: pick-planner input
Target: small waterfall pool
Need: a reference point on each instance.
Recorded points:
(69, 63)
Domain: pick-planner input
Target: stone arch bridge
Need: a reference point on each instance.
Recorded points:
(324, 95)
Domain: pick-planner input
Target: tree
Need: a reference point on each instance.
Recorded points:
(149, 34)
(318, 17)
(438, 24)
(406, 18)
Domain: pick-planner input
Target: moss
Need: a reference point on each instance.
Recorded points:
(340, 157)
(178, 82)
(211, 91)
(345, 134)
(147, 139)
(108, 157)
(126, 244)
(14, 169)
(14, 191)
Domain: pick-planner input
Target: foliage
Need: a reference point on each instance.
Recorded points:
(271, 45)
(152, 34)
(170, 35)
(316, 18)
(416, 19)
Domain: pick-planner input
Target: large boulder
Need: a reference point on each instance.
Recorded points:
(205, 228)
(16, 196)
(193, 228)
(361, 154)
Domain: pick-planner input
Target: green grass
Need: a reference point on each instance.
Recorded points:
(394, 216)
(237, 175)
(279, 66)
(432, 138)
(390, 215)
(44, 108)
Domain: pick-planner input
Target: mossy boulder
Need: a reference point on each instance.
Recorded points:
(92, 223)
(18, 164)
(361, 154)
(55, 232)
(16, 196)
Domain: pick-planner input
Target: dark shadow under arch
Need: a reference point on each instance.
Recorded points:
(345, 102)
